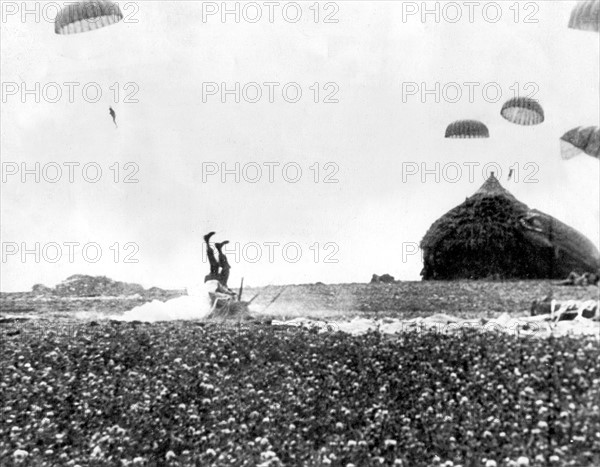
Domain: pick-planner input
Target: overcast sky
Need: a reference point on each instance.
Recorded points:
(369, 137)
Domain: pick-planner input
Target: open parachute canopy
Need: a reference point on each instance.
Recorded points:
(467, 129)
(586, 16)
(86, 16)
(523, 111)
(581, 140)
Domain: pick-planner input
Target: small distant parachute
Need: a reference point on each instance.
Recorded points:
(523, 111)
(586, 16)
(86, 16)
(467, 129)
(581, 140)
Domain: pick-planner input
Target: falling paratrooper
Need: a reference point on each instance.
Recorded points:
(87, 16)
(467, 129)
(523, 111)
(113, 114)
(580, 140)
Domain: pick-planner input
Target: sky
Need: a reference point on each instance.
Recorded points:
(368, 133)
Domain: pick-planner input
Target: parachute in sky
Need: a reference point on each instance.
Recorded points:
(86, 16)
(586, 16)
(467, 129)
(523, 111)
(580, 140)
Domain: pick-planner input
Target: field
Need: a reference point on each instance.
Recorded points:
(105, 392)
(465, 299)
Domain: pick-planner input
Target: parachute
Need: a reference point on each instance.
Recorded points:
(86, 16)
(586, 16)
(580, 140)
(467, 129)
(523, 111)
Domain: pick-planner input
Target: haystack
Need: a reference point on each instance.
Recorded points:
(492, 235)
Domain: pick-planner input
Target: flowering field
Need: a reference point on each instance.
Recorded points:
(193, 393)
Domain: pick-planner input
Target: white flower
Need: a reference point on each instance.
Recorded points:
(170, 454)
(211, 452)
(491, 463)
(522, 461)
(20, 454)
(389, 442)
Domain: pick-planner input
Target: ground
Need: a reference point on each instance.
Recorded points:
(104, 392)
(465, 299)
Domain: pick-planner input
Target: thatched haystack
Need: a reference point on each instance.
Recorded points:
(492, 235)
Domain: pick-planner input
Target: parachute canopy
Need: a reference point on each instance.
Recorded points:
(581, 140)
(467, 129)
(586, 16)
(523, 111)
(86, 16)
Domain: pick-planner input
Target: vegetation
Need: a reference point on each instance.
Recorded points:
(201, 394)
